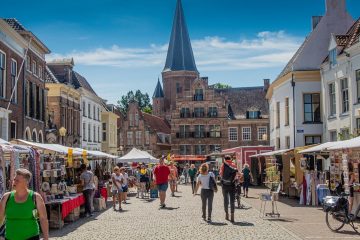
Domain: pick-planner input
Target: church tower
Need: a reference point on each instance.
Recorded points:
(180, 69)
(158, 101)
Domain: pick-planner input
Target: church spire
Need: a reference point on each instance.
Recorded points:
(158, 93)
(180, 55)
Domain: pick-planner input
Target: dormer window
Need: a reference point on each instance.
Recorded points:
(253, 114)
(332, 57)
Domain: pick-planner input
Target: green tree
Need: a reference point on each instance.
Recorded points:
(142, 99)
(221, 86)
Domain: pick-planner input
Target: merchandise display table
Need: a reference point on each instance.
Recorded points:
(65, 207)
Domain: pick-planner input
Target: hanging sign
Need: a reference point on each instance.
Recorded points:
(70, 157)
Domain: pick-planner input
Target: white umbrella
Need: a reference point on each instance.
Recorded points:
(135, 155)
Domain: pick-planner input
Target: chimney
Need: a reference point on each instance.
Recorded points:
(315, 21)
(335, 7)
(266, 84)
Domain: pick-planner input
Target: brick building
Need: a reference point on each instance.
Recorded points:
(31, 97)
(204, 119)
(144, 131)
(63, 103)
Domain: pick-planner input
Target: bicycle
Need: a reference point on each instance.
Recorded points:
(337, 213)
(238, 195)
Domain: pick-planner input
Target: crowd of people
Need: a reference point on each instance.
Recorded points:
(25, 209)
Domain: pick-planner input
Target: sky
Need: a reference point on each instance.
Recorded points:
(121, 45)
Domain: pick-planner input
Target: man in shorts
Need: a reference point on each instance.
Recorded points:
(161, 175)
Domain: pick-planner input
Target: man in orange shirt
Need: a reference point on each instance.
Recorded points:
(173, 178)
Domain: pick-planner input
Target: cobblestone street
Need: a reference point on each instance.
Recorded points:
(142, 219)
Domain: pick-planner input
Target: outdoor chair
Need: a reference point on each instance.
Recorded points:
(272, 197)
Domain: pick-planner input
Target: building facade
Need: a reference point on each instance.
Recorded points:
(27, 85)
(145, 132)
(91, 107)
(12, 51)
(63, 109)
(109, 138)
(341, 86)
(199, 122)
(296, 117)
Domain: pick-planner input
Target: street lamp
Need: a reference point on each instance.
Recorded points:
(62, 132)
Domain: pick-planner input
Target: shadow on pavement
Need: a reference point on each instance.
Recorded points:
(243, 208)
(243, 224)
(289, 220)
(148, 200)
(217, 223)
(169, 208)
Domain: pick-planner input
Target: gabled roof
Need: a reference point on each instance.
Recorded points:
(50, 76)
(245, 99)
(158, 93)
(180, 54)
(156, 123)
(80, 81)
(17, 26)
(314, 49)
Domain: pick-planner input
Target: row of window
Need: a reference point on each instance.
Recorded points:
(198, 149)
(344, 95)
(35, 68)
(246, 134)
(311, 103)
(198, 112)
(199, 131)
(13, 74)
(95, 137)
(133, 119)
(138, 138)
(34, 101)
(95, 111)
(112, 132)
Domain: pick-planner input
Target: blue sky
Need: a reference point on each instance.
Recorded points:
(121, 45)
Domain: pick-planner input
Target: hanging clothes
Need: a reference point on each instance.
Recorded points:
(308, 188)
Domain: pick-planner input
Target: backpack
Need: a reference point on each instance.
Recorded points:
(229, 174)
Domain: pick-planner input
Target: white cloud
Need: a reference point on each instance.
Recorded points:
(267, 49)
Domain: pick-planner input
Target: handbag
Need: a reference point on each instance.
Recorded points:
(212, 183)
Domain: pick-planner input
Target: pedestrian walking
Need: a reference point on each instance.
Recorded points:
(124, 184)
(192, 175)
(22, 208)
(228, 173)
(144, 179)
(116, 187)
(87, 182)
(161, 175)
(173, 176)
(247, 176)
(185, 173)
(207, 193)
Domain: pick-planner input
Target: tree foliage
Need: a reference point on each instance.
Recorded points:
(142, 99)
(221, 86)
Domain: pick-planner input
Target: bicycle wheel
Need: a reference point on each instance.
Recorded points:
(335, 220)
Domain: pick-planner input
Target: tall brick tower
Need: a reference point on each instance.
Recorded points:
(158, 101)
(180, 69)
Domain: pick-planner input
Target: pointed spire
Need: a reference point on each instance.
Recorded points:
(180, 55)
(158, 93)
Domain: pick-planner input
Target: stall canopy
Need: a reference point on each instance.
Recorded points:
(136, 155)
(319, 148)
(50, 147)
(2, 141)
(100, 154)
(272, 153)
(188, 158)
(351, 143)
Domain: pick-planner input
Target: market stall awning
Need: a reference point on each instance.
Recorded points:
(2, 141)
(347, 144)
(136, 155)
(319, 148)
(271, 153)
(100, 154)
(50, 147)
(188, 158)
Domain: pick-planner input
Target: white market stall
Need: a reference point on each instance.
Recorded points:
(136, 155)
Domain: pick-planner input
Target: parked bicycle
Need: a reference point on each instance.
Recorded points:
(337, 213)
